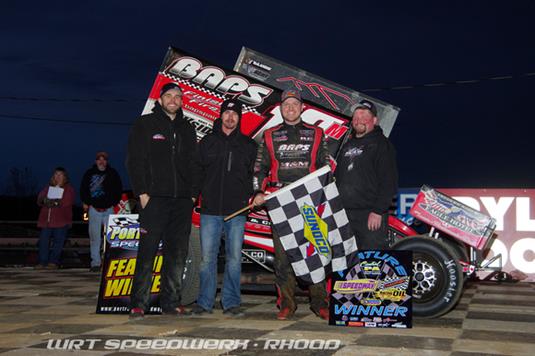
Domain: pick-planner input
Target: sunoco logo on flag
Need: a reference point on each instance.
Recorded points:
(309, 212)
(315, 230)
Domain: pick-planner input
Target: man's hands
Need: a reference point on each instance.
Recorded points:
(259, 199)
(144, 200)
(374, 221)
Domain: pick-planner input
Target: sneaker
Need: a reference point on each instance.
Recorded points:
(322, 313)
(39, 266)
(136, 314)
(285, 314)
(94, 269)
(178, 311)
(52, 266)
(198, 310)
(235, 312)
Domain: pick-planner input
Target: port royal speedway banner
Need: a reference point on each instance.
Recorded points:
(122, 239)
(514, 212)
(313, 88)
(206, 85)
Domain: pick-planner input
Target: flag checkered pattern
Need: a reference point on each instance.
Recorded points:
(124, 221)
(318, 190)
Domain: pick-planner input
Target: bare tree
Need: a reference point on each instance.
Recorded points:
(21, 182)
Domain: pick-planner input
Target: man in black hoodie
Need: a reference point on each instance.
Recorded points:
(225, 166)
(161, 147)
(367, 178)
(100, 191)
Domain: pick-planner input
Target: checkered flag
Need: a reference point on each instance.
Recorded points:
(124, 221)
(309, 213)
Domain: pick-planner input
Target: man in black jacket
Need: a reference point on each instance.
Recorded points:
(100, 191)
(225, 166)
(367, 176)
(161, 147)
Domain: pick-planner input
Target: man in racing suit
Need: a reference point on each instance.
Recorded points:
(288, 152)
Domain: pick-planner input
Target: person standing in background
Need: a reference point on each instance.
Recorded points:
(100, 191)
(55, 218)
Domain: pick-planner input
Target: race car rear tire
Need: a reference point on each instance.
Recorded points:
(190, 277)
(437, 279)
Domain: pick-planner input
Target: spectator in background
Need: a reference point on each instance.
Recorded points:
(100, 191)
(55, 218)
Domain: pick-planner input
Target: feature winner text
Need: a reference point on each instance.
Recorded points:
(119, 276)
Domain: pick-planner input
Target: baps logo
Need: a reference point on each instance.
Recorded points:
(316, 231)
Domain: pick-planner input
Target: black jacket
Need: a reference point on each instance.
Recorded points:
(160, 154)
(225, 171)
(101, 189)
(366, 172)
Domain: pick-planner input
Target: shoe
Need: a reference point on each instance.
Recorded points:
(94, 269)
(198, 310)
(136, 314)
(178, 311)
(322, 313)
(235, 312)
(285, 314)
(52, 266)
(39, 266)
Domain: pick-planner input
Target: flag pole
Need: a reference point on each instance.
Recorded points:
(238, 212)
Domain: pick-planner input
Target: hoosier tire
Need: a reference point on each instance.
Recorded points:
(437, 279)
(190, 277)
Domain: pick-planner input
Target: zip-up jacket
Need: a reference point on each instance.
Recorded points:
(160, 154)
(101, 189)
(225, 171)
(59, 215)
(288, 153)
(366, 172)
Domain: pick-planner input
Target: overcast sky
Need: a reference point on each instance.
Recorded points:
(477, 134)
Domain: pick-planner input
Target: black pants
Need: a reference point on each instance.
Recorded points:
(286, 282)
(167, 220)
(366, 239)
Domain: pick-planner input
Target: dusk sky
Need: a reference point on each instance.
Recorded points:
(98, 62)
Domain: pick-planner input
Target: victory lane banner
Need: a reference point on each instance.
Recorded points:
(312, 225)
(374, 293)
(119, 264)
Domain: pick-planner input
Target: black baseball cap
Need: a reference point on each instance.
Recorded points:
(170, 86)
(365, 104)
(231, 104)
(291, 93)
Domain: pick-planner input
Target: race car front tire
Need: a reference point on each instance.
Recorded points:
(437, 279)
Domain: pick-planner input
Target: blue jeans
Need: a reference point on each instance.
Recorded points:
(59, 234)
(211, 228)
(97, 220)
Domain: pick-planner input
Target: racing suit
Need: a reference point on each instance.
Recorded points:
(286, 154)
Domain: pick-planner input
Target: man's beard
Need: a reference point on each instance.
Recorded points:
(360, 129)
(169, 112)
